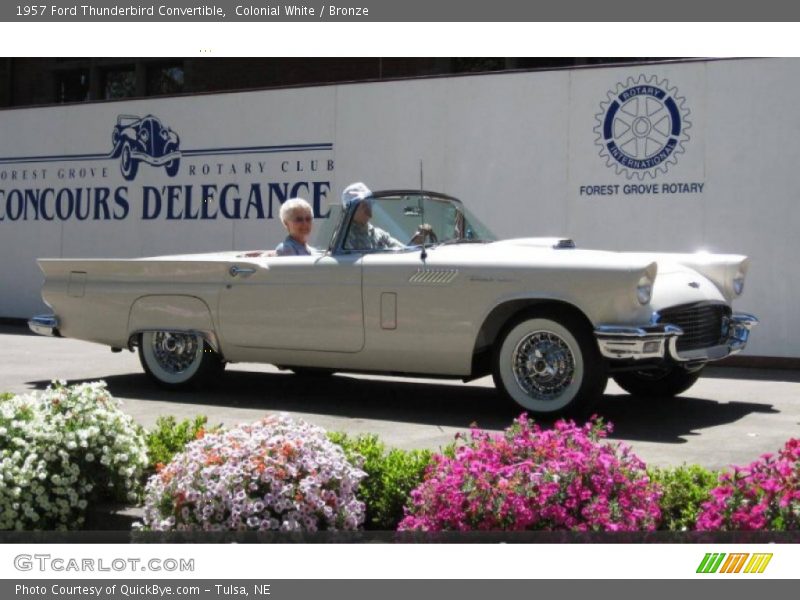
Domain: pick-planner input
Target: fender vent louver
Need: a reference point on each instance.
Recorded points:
(433, 276)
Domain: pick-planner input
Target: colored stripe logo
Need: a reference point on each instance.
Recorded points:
(735, 562)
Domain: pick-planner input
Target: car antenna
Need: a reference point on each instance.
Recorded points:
(424, 254)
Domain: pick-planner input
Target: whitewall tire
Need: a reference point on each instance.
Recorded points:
(177, 359)
(549, 364)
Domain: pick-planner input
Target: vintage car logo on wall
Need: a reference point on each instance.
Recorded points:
(641, 127)
(144, 139)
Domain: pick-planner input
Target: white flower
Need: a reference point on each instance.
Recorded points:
(39, 430)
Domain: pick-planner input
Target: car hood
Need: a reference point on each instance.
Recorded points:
(701, 268)
(550, 251)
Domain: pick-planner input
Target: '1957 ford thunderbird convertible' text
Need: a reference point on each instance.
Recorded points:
(549, 321)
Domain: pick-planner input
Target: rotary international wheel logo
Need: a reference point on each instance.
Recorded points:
(641, 127)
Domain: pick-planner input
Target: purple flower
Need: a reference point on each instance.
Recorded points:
(255, 477)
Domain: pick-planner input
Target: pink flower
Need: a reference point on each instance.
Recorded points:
(763, 495)
(529, 478)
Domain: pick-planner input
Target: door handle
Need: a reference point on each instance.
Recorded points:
(237, 270)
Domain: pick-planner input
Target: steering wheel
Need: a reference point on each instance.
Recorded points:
(423, 234)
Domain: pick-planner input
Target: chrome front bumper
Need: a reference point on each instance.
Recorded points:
(45, 325)
(626, 342)
(156, 161)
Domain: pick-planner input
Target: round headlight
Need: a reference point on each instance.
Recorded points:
(738, 284)
(644, 290)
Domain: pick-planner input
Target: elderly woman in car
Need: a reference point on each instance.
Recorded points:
(298, 219)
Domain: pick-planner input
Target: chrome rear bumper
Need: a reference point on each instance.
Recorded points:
(45, 325)
(626, 342)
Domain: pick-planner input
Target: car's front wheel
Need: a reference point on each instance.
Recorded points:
(662, 383)
(128, 165)
(177, 360)
(172, 166)
(548, 362)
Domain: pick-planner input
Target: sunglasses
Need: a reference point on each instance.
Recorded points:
(307, 219)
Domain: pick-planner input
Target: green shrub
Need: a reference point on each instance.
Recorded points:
(6, 396)
(170, 437)
(391, 475)
(684, 488)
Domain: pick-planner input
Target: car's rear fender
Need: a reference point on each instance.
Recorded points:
(172, 313)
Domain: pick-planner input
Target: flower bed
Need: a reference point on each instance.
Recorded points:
(68, 447)
(62, 449)
(559, 479)
(276, 474)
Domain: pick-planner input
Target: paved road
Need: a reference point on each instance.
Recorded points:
(731, 416)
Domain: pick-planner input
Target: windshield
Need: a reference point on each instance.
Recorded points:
(327, 228)
(394, 222)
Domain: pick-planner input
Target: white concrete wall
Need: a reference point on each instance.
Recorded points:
(515, 147)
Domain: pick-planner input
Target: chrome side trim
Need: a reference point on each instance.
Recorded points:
(45, 325)
(631, 342)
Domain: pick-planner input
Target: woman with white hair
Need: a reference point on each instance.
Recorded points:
(298, 219)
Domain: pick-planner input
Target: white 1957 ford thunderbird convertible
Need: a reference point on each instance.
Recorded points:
(549, 321)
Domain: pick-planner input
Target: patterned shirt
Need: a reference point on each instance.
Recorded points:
(368, 237)
(291, 247)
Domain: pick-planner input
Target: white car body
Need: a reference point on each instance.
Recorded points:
(441, 309)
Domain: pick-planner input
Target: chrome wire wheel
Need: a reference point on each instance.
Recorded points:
(543, 365)
(175, 352)
(548, 363)
(173, 358)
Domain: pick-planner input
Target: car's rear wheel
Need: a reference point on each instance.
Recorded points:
(177, 359)
(549, 364)
(127, 163)
(662, 383)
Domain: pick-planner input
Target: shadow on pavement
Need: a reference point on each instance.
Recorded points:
(670, 420)
(781, 375)
(14, 328)
(429, 403)
(436, 403)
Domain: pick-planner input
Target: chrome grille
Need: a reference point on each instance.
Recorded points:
(703, 325)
